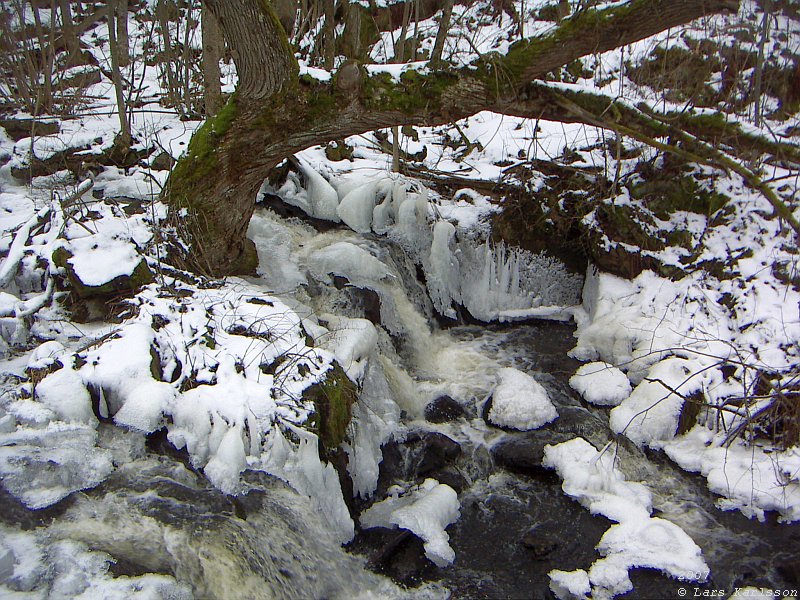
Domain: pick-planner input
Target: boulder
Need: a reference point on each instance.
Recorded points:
(444, 409)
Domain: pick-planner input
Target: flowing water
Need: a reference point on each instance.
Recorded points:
(157, 515)
(516, 524)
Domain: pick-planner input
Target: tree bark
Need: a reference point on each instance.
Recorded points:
(212, 190)
(212, 52)
(123, 142)
(441, 34)
(123, 42)
(329, 7)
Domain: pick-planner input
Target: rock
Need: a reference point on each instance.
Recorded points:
(539, 543)
(790, 570)
(83, 80)
(162, 162)
(121, 285)
(421, 455)
(399, 554)
(18, 129)
(523, 452)
(364, 298)
(444, 409)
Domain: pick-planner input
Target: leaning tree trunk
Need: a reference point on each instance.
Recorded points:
(212, 190)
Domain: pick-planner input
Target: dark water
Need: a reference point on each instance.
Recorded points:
(517, 526)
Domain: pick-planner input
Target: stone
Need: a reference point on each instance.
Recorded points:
(524, 452)
(162, 162)
(18, 129)
(444, 409)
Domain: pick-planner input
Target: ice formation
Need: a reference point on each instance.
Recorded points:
(492, 281)
(301, 468)
(650, 414)
(637, 539)
(425, 510)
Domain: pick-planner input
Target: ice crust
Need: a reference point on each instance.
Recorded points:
(637, 539)
(425, 510)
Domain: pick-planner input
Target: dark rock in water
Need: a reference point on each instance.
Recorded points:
(541, 544)
(364, 298)
(419, 456)
(580, 422)
(523, 452)
(398, 554)
(452, 477)
(444, 409)
(487, 406)
(438, 451)
(790, 570)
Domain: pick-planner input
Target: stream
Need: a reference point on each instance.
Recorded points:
(157, 528)
(516, 524)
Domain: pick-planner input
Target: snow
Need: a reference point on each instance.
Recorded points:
(636, 540)
(601, 383)
(570, 585)
(749, 478)
(63, 392)
(651, 412)
(425, 510)
(224, 368)
(351, 341)
(520, 402)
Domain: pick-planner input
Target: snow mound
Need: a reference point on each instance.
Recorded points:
(650, 414)
(98, 259)
(570, 585)
(425, 510)
(748, 477)
(601, 384)
(520, 402)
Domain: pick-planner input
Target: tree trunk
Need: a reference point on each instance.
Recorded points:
(162, 15)
(212, 190)
(329, 7)
(212, 52)
(123, 42)
(68, 28)
(441, 35)
(123, 142)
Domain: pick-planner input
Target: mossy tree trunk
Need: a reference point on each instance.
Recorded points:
(212, 190)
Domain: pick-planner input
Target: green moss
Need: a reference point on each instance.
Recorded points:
(412, 94)
(333, 399)
(525, 52)
(667, 195)
(200, 160)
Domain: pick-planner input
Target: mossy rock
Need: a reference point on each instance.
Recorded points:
(123, 285)
(333, 398)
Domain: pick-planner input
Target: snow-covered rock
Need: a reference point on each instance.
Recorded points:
(425, 510)
(601, 383)
(520, 402)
